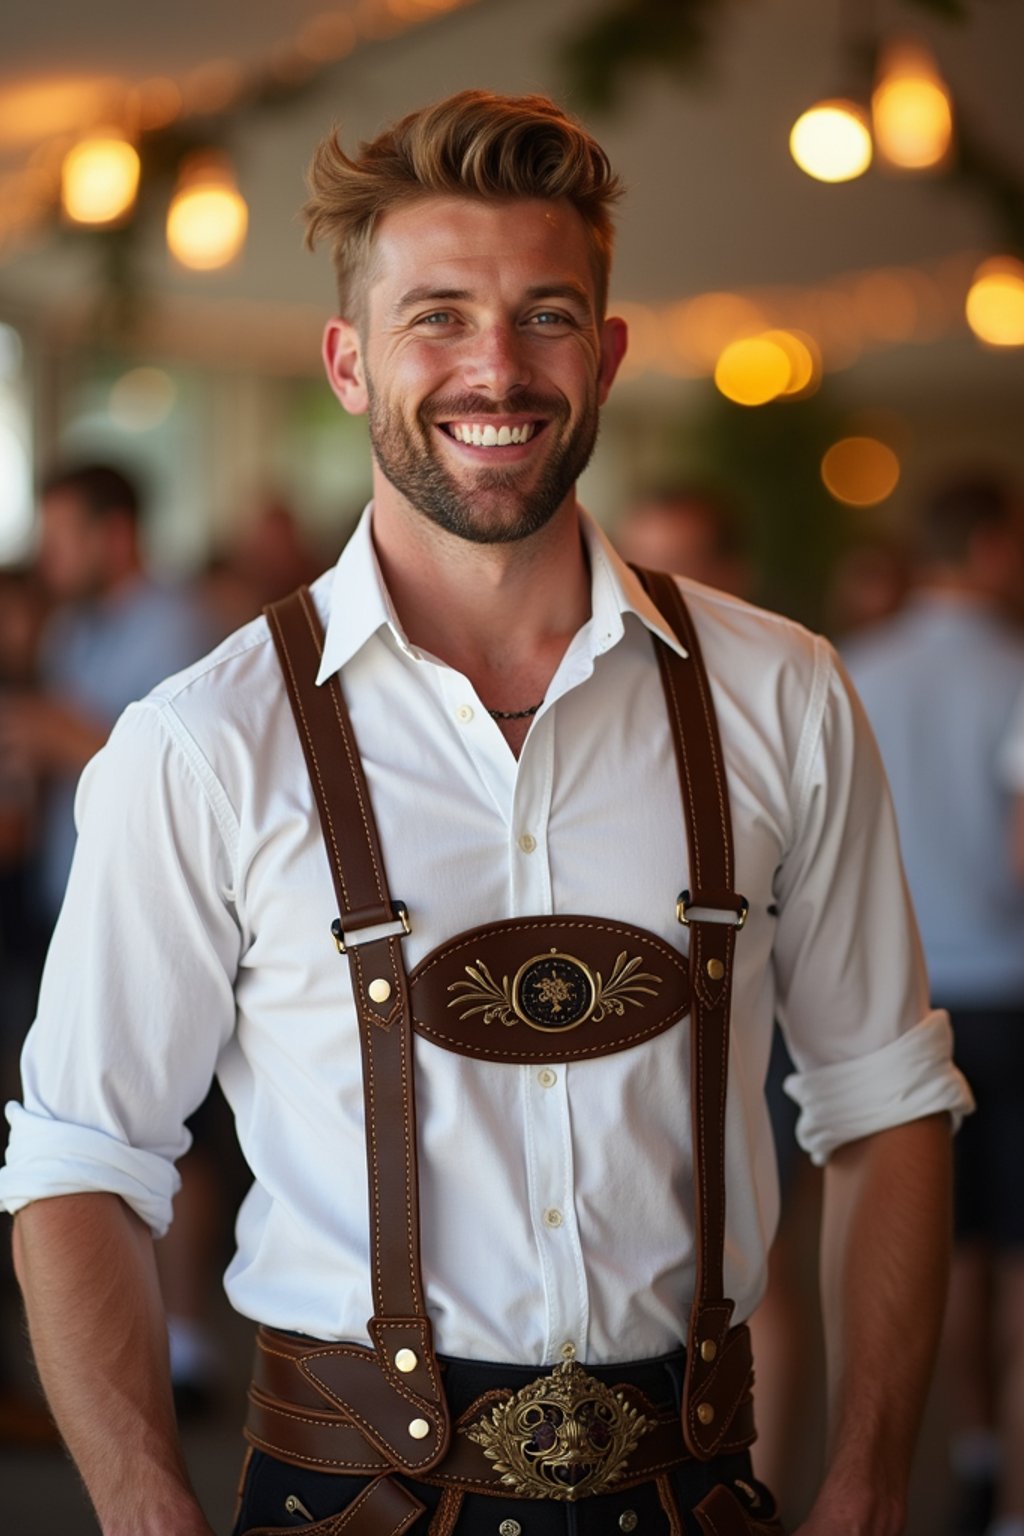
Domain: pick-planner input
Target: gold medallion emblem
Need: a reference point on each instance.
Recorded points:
(565, 1436)
(553, 992)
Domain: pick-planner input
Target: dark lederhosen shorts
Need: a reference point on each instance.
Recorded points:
(276, 1496)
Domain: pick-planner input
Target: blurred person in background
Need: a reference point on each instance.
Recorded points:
(869, 583)
(940, 682)
(693, 529)
(112, 632)
(267, 555)
(690, 529)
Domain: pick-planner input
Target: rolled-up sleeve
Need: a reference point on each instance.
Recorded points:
(852, 989)
(137, 997)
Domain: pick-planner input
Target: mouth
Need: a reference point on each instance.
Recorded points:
(487, 434)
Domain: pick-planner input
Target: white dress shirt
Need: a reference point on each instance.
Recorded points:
(556, 1202)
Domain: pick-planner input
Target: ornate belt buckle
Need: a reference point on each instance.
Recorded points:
(564, 1436)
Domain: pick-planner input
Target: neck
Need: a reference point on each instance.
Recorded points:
(503, 614)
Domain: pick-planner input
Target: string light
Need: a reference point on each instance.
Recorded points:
(831, 141)
(99, 178)
(995, 302)
(910, 109)
(208, 217)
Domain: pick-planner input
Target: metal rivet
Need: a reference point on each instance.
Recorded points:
(379, 990)
(628, 1520)
(708, 1350)
(509, 1528)
(406, 1360)
(705, 1413)
(715, 969)
(419, 1429)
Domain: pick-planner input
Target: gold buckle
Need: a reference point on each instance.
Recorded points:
(564, 1436)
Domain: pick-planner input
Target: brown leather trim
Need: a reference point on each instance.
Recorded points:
(347, 821)
(385, 1508)
(721, 1513)
(296, 1414)
(464, 993)
(704, 791)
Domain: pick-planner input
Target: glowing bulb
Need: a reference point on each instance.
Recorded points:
(860, 471)
(831, 141)
(995, 303)
(753, 370)
(803, 357)
(910, 110)
(208, 217)
(99, 179)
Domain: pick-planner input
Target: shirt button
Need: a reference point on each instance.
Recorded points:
(528, 842)
(547, 1078)
(553, 1217)
(464, 713)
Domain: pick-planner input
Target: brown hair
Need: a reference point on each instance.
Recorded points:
(473, 144)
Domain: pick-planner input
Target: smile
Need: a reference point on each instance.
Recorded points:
(487, 435)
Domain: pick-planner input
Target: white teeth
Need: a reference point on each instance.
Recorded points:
(490, 436)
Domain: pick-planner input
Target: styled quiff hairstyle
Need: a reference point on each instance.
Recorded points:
(473, 144)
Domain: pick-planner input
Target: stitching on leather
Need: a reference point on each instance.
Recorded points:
(373, 1434)
(312, 755)
(313, 624)
(523, 925)
(625, 1041)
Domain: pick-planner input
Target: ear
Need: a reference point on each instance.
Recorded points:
(343, 361)
(614, 339)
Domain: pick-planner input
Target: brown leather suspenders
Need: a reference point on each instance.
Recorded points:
(400, 1381)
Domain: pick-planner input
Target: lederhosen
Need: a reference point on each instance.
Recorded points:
(528, 990)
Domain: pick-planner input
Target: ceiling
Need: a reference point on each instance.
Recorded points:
(714, 200)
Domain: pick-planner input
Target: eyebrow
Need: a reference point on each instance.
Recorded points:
(427, 294)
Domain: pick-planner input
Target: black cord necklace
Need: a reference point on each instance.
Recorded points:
(515, 714)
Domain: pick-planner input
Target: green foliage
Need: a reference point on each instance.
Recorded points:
(766, 459)
(628, 37)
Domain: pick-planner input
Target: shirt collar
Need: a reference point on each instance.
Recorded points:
(361, 606)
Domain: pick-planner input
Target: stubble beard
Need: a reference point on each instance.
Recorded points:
(495, 508)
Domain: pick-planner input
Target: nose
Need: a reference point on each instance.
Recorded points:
(497, 364)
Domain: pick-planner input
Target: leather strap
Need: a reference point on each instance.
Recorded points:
(711, 1362)
(716, 1372)
(292, 1416)
(379, 989)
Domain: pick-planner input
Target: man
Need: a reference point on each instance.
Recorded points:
(114, 632)
(940, 683)
(503, 677)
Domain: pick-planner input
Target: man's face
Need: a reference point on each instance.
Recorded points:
(483, 362)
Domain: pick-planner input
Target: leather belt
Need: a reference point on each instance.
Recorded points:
(565, 1435)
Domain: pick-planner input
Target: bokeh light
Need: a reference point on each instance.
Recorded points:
(141, 399)
(995, 302)
(753, 370)
(860, 471)
(831, 141)
(99, 178)
(910, 110)
(208, 217)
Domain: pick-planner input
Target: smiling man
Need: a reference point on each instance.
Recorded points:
(477, 874)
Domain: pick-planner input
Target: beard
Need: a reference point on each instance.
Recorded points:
(492, 507)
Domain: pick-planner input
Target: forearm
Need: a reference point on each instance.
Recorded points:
(885, 1259)
(86, 1268)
